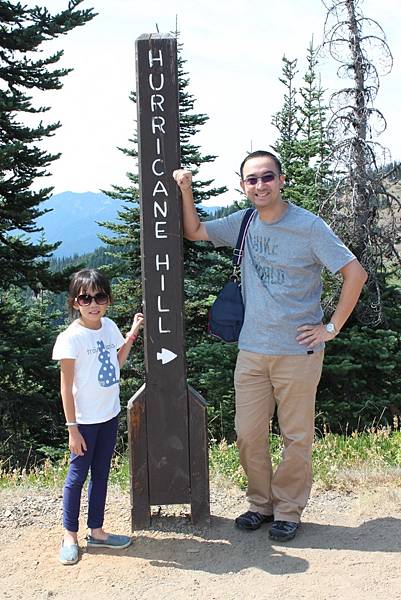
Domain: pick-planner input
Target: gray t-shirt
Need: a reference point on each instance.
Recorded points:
(281, 275)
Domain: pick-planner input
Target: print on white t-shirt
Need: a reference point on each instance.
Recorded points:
(107, 372)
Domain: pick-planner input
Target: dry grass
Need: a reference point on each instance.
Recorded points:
(371, 459)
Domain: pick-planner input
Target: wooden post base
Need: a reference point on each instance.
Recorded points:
(142, 475)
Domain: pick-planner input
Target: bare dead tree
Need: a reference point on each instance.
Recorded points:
(360, 207)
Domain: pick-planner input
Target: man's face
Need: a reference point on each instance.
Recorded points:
(263, 194)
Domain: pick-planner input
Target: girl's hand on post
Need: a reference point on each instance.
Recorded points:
(76, 442)
(137, 323)
(183, 178)
(130, 338)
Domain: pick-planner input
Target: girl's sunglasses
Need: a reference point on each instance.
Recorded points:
(86, 299)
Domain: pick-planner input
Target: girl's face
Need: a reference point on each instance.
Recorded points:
(91, 313)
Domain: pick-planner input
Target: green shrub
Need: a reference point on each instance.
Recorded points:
(361, 381)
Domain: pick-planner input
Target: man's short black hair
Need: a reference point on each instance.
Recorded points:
(258, 154)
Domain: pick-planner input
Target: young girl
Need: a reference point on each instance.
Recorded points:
(91, 351)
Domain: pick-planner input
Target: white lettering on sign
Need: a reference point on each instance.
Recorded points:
(153, 59)
(158, 229)
(156, 159)
(159, 305)
(160, 263)
(158, 123)
(161, 330)
(152, 84)
(160, 189)
(162, 209)
(154, 163)
(156, 101)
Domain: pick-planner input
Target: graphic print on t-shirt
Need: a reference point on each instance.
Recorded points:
(107, 372)
(264, 248)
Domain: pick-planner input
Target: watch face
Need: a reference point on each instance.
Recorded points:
(330, 328)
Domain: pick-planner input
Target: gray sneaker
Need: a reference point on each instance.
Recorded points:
(112, 541)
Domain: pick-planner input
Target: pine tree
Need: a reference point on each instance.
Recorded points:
(23, 32)
(29, 411)
(303, 142)
(286, 121)
(313, 143)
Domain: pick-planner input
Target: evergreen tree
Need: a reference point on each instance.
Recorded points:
(286, 120)
(30, 410)
(224, 211)
(314, 144)
(23, 31)
(303, 142)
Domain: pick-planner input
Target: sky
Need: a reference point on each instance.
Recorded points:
(234, 56)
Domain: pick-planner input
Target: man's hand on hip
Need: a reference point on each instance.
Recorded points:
(313, 335)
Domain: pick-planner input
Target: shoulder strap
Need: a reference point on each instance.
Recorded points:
(239, 248)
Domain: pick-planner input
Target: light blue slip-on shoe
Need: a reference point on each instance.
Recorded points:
(113, 541)
(69, 554)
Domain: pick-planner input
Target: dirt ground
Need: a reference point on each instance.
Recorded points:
(348, 548)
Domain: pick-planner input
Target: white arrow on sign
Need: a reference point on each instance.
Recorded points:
(166, 356)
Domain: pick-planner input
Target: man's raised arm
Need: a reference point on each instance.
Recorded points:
(194, 229)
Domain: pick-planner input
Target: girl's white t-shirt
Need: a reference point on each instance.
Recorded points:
(96, 372)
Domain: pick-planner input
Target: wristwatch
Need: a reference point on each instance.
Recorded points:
(331, 328)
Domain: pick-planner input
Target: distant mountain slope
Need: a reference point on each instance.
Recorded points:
(74, 217)
(73, 220)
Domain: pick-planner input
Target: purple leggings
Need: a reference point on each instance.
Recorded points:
(100, 440)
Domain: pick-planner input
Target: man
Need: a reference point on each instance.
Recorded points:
(282, 340)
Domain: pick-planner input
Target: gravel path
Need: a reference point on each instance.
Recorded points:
(348, 549)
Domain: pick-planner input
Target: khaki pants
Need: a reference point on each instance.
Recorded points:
(261, 383)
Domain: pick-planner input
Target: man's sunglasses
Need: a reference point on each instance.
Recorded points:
(264, 179)
(86, 299)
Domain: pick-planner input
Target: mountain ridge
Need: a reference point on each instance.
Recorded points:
(73, 219)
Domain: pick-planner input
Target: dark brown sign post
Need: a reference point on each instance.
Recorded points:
(166, 417)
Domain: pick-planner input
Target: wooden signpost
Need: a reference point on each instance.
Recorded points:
(166, 417)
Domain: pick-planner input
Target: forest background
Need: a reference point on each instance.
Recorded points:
(334, 166)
